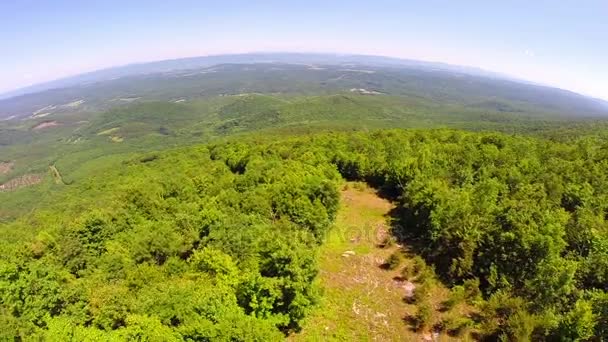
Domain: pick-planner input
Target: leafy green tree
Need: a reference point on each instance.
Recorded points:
(578, 324)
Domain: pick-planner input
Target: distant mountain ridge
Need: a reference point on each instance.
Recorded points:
(248, 58)
(295, 74)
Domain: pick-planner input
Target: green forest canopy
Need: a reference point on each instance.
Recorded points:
(219, 241)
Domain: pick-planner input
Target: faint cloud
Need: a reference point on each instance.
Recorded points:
(529, 53)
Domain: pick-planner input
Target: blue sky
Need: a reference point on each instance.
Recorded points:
(559, 42)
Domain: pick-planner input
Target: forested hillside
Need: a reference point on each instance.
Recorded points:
(220, 241)
(81, 144)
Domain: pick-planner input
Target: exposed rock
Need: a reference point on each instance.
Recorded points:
(348, 253)
(409, 288)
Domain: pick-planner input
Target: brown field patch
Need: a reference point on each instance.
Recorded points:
(20, 182)
(46, 124)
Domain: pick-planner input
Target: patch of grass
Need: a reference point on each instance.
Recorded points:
(457, 296)
(393, 261)
(457, 326)
(361, 301)
(423, 317)
(407, 273)
(356, 305)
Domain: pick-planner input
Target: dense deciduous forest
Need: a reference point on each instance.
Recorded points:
(220, 241)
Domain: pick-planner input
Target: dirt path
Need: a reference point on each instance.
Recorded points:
(56, 175)
(362, 300)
